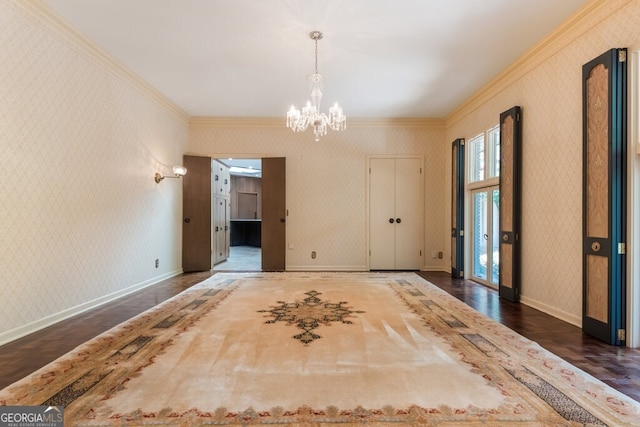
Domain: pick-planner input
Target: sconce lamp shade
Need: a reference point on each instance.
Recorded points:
(178, 171)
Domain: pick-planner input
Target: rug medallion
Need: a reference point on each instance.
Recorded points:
(309, 314)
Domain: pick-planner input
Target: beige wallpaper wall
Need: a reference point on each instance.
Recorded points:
(82, 221)
(326, 182)
(548, 88)
(81, 218)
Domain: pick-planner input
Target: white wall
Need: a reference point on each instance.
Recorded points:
(326, 181)
(81, 218)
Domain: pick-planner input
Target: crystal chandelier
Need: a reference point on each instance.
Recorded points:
(310, 115)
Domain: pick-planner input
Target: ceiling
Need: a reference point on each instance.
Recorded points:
(379, 58)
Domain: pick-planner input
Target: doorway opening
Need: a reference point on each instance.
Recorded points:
(245, 216)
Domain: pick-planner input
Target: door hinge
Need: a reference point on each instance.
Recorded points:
(420, 171)
(462, 141)
(421, 253)
(462, 274)
(622, 335)
(622, 248)
(461, 233)
(622, 55)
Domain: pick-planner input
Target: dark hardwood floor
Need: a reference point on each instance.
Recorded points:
(23, 356)
(617, 366)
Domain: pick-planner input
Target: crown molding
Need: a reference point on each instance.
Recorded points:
(398, 122)
(272, 122)
(43, 15)
(570, 30)
(237, 122)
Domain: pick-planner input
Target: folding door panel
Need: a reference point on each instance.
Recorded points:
(273, 234)
(604, 196)
(196, 209)
(457, 208)
(510, 170)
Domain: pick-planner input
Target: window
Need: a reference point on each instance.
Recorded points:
(484, 156)
(476, 159)
(483, 184)
(493, 143)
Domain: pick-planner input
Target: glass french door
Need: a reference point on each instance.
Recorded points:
(485, 235)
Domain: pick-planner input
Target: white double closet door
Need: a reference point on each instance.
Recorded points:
(396, 213)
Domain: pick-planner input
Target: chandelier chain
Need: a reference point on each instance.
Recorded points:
(316, 55)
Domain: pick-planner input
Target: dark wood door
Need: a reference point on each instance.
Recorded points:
(604, 196)
(196, 211)
(457, 208)
(273, 213)
(510, 203)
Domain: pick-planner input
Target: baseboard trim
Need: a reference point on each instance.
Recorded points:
(444, 269)
(327, 268)
(45, 322)
(552, 311)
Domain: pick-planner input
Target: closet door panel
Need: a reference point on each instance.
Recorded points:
(396, 213)
(409, 213)
(382, 214)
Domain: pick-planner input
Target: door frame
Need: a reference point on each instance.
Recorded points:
(633, 199)
(368, 207)
(222, 157)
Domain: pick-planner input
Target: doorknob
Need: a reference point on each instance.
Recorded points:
(486, 236)
(391, 220)
(187, 220)
(398, 220)
(281, 219)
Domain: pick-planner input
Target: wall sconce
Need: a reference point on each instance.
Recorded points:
(178, 171)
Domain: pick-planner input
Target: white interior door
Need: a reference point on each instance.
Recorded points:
(409, 214)
(382, 214)
(396, 212)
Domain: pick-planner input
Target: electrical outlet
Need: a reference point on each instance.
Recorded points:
(440, 255)
(157, 263)
(313, 254)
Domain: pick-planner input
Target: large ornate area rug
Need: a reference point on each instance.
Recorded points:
(318, 349)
